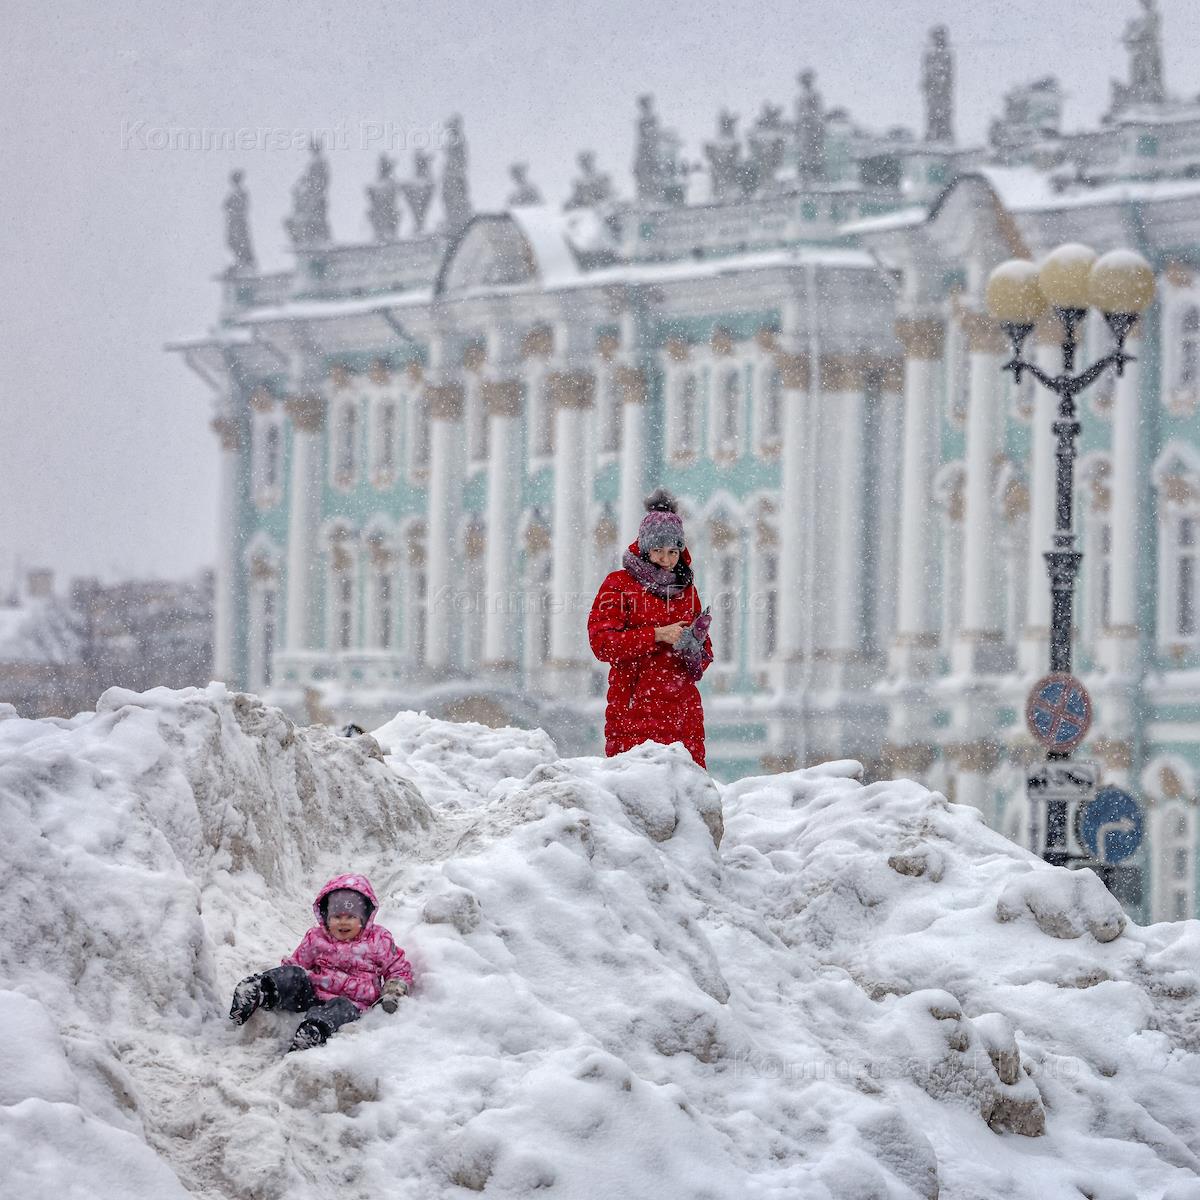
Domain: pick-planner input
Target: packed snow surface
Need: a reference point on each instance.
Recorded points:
(631, 981)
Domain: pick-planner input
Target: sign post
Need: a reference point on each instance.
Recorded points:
(1058, 713)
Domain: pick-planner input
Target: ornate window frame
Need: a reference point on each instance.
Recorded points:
(384, 441)
(342, 587)
(264, 563)
(1181, 349)
(381, 593)
(346, 438)
(683, 379)
(727, 409)
(1169, 784)
(414, 592)
(418, 434)
(267, 440)
(766, 394)
(1176, 476)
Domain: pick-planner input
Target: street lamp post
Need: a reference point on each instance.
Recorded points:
(1068, 281)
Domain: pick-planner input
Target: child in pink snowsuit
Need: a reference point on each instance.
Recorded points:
(344, 965)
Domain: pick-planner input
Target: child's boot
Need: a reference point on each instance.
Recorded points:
(308, 1034)
(247, 997)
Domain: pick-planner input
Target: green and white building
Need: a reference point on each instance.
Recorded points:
(435, 445)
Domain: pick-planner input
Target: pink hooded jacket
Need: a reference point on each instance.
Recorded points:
(353, 969)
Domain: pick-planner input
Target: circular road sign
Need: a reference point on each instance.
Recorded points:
(1112, 825)
(1059, 711)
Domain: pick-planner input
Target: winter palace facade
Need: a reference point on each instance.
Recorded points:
(434, 445)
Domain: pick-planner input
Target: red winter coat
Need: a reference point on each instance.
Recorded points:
(354, 969)
(651, 697)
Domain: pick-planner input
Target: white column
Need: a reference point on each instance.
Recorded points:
(842, 396)
(981, 632)
(225, 598)
(572, 394)
(503, 400)
(632, 388)
(631, 382)
(794, 562)
(1035, 638)
(307, 412)
(444, 397)
(1125, 505)
(916, 617)
(883, 553)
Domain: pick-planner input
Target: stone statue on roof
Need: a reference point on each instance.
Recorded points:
(724, 156)
(383, 211)
(456, 197)
(937, 86)
(1143, 40)
(418, 191)
(810, 128)
(308, 224)
(524, 193)
(237, 223)
(767, 145)
(657, 171)
(593, 189)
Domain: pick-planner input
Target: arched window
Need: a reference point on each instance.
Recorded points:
(418, 435)
(770, 419)
(727, 431)
(1174, 864)
(415, 589)
(725, 556)
(1188, 374)
(686, 415)
(345, 446)
(264, 622)
(1185, 576)
(768, 604)
(271, 456)
(384, 465)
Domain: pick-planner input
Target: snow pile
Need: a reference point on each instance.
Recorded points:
(632, 981)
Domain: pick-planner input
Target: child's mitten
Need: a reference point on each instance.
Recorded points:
(393, 989)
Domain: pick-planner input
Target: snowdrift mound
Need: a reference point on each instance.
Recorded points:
(631, 981)
(136, 839)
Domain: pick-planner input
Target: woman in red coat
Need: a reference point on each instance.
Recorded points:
(646, 621)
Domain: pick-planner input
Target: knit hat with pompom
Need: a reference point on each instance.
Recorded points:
(661, 527)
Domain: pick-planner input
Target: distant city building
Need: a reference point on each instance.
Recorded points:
(58, 653)
(434, 446)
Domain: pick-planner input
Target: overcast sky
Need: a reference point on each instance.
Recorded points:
(107, 464)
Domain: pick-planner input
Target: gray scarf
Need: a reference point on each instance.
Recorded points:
(662, 582)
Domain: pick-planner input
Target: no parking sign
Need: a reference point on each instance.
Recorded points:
(1059, 711)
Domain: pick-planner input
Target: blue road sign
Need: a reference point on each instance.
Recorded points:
(1059, 711)
(1112, 825)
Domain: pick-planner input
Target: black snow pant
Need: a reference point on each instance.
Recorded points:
(290, 989)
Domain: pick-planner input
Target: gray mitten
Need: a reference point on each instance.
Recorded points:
(690, 646)
(393, 989)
